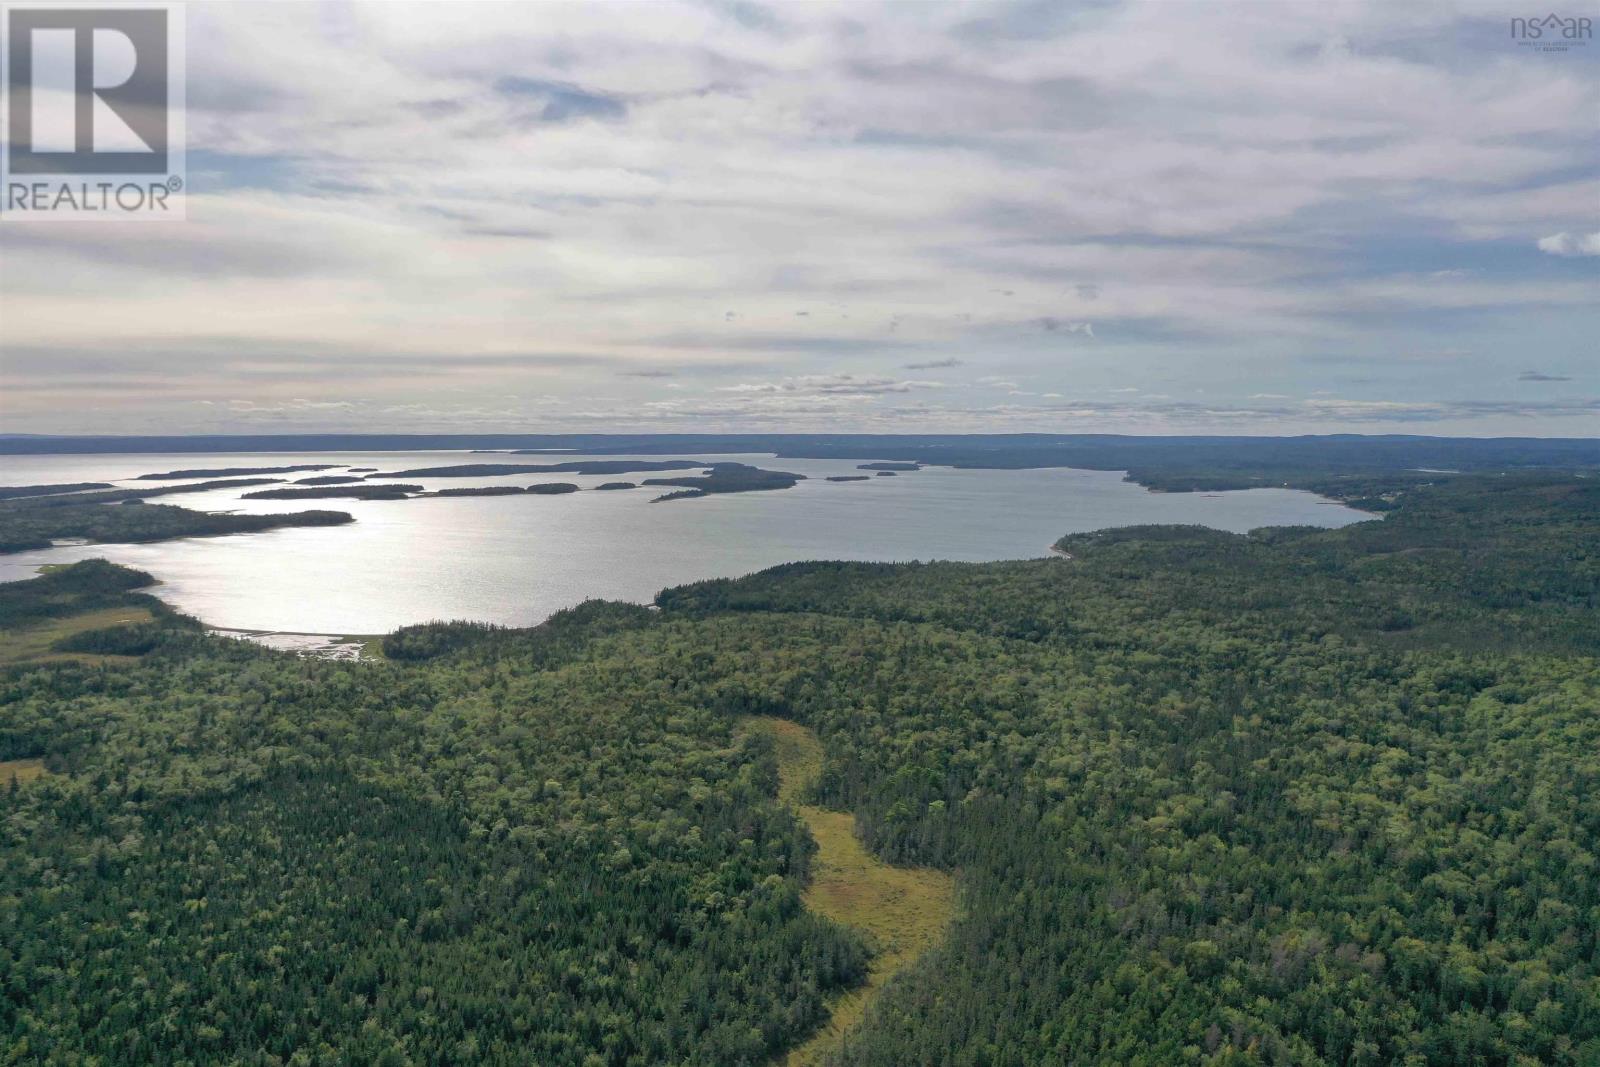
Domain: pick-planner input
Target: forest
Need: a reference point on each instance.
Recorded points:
(36, 520)
(1298, 797)
(22, 529)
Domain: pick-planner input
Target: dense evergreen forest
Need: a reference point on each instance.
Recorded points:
(1298, 797)
(22, 529)
(30, 521)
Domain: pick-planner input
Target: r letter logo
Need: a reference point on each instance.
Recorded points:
(93, 93)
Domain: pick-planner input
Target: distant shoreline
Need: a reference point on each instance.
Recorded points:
(1340, 466)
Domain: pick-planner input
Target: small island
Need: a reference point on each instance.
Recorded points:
(894, 465)
(617, 485)
(481, 490)
(117, 496)
(24, 529)
(328, 479)
(576, 466)
(224, 472)
(726, 478)
(542, 489)
(849, 478)
(343, 492)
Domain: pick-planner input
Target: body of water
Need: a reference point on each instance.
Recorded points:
(517, 559)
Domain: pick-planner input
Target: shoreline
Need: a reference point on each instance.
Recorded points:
(352, 647)
(245, 631)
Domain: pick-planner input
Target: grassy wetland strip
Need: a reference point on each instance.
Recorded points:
(903, 910)
(21, 771)
(42, 642)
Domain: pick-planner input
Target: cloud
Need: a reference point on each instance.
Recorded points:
(1375, 410)
(1053, 325)
(1571, 244)
(1053, 412)
(503, 206)
(1536, 376)
(834, 384)
(562, 103)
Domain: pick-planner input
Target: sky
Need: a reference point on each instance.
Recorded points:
(1162, 217)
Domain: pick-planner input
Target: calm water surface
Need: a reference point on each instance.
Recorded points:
(517, 559)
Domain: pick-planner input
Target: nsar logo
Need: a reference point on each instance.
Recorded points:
(1553, 33)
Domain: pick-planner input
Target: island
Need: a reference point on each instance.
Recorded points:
(577, 466)
(888, 466)
(328, 479)
(726, 478)
(223, 472)
(617, 485)
(25, 529)
(344, 492)
(480, 490)
(849, 478)
(117, 496)
(542, 489)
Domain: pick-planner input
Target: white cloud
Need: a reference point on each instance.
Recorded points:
(386, 198)
(1571, 244)
(830, 384)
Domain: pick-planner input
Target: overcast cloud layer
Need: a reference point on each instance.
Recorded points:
(1237, 217)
